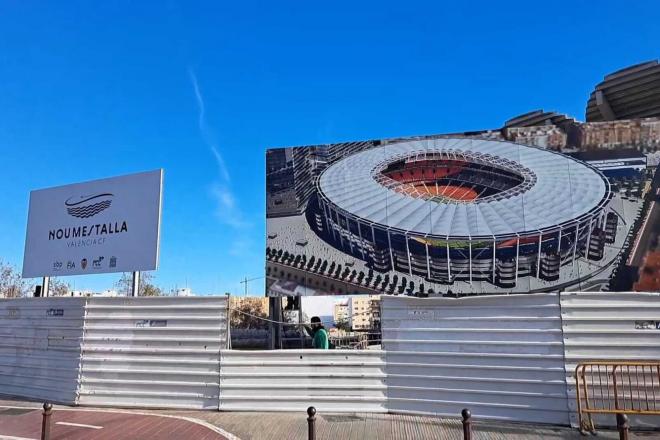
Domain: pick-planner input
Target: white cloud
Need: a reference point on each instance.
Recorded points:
(226, 208)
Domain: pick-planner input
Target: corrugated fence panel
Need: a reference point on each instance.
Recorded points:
(40, 347)
(610, 326)
(292, 380)
(153, 352)
(502, 357)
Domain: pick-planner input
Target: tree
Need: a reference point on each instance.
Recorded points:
(360, 277)
(386, 281)
(125, 285)
(402, 286)
(56, 287)
(338, 271)
(343, 325)
(411, 287)
(150, 290)
(345, 274)
(247, 313)
(12, 285)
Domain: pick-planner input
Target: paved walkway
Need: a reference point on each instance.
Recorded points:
(293, 426)
(81, 424)
(20, 420)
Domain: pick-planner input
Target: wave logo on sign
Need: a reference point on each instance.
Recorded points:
(88, 206)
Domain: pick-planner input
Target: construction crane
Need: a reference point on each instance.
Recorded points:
(246, 281)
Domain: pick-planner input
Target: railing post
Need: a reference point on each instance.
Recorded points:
(467, 424)
(311, 423)
(45, 422)
(622, 425)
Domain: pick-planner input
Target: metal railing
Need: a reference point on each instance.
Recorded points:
(616, 388)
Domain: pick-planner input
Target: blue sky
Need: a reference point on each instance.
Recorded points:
(97, 89)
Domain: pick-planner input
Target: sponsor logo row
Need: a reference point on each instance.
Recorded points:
(93, 263)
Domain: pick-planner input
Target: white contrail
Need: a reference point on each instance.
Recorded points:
(227, 209)
(204, 130)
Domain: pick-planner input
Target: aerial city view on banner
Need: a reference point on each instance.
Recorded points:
(545, 203)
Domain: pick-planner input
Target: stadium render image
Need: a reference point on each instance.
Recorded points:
(436, 215)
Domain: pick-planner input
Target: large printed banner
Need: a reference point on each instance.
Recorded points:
(101, 226)
(442, 215)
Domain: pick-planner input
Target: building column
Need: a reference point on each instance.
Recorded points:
(517, 255)
(577, 237)
(589, 237)
(328, 223)
(538, 257)
(408, 254)
(559, 249)
(428, 260)
(448, 262)
(494, 261)
(470, 259)
(350, 234)
(361, 240)
(332, 224)
(389, 243)
(341, 235)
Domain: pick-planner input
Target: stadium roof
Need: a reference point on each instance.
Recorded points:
(564, 190)
(630, 93)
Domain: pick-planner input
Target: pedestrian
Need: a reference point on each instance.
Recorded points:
(319, 334)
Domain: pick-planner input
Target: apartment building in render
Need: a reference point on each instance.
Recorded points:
(340, 312)
(364, 312)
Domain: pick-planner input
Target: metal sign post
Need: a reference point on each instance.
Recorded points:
(135, 288)
(44, 286)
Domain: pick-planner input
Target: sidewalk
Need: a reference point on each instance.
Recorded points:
(362, 426)
(22, 420)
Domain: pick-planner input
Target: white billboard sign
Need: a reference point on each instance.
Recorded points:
(106, 225)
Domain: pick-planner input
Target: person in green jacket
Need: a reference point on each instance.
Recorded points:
(319, 334)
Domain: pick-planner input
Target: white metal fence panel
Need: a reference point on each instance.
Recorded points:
(40, 347)
(500, 356)
(600, 326)
(153, 352)
(292, 380)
